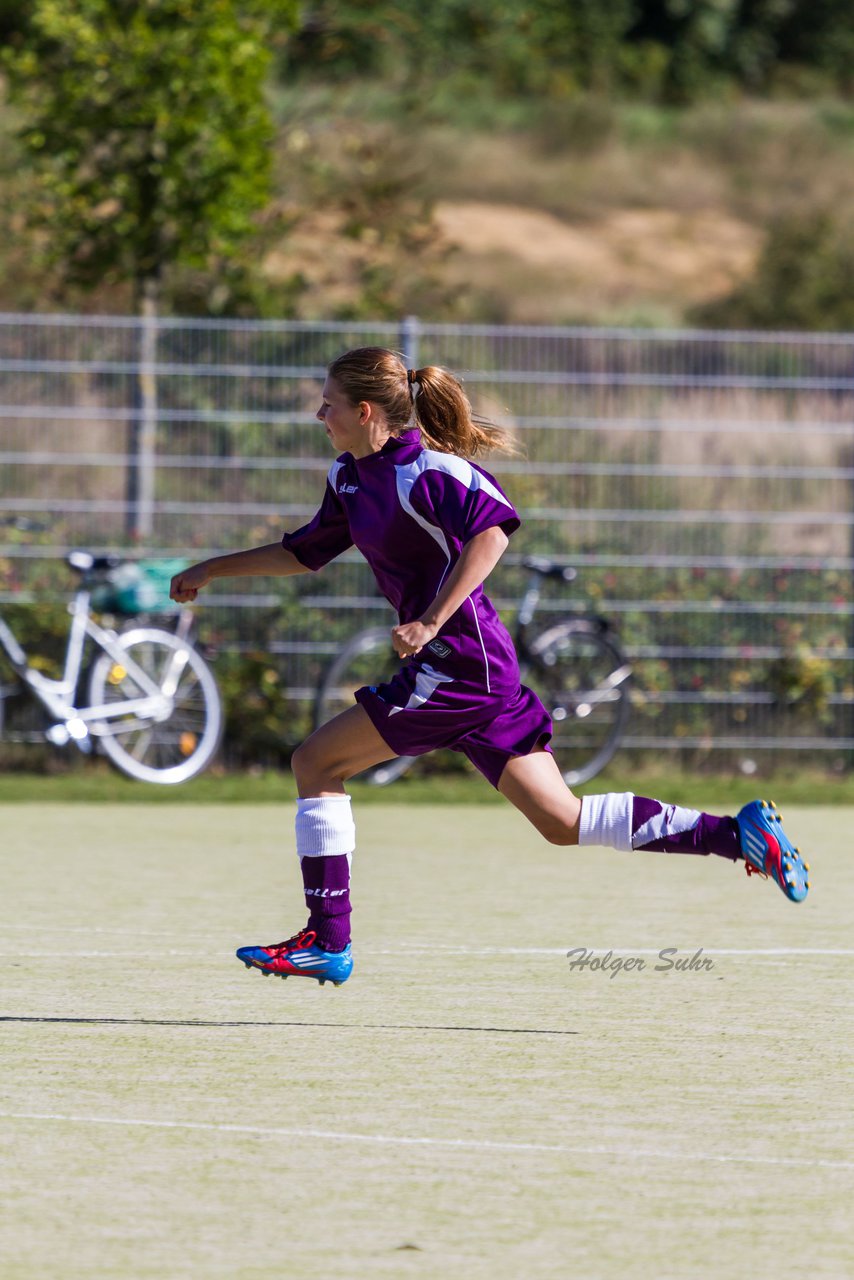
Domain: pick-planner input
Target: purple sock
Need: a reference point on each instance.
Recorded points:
(326, 881)
(671, 829)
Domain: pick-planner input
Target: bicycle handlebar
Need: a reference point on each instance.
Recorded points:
(23, 524)
(549, 568)
(86, 562)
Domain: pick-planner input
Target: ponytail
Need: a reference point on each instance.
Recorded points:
(432, 395)
(444, 414)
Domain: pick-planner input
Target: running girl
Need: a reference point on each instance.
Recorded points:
(432, 525)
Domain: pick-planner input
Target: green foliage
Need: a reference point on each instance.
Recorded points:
(803, 682)
(820, 34)
(77, 780)
(673, 50)
(42, 632)
(698, 44)
(810, 683)
(549, 47)
(147, 126)
(262, 724)
(14, 17)
(142, 150)
(804, 278)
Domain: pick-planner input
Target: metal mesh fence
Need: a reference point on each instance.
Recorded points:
(702, 482)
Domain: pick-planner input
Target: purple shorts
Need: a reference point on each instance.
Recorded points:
(420, 710)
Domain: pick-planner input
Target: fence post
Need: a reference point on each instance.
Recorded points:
(143, 436)
(409, 334)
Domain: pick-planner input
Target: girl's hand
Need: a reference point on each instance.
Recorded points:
(187, 584)
(410, 638)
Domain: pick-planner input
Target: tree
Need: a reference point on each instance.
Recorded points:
(148, 129)
(548, 46)
(804, 278)
(151, 140)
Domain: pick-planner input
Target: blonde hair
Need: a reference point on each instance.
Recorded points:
(432, 395)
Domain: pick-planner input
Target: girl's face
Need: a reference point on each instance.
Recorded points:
(348, 426)
(343, 420)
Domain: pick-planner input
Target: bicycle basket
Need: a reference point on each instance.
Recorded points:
(138, 586)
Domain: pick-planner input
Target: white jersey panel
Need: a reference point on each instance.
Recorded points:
(406, 477)
(462, 471)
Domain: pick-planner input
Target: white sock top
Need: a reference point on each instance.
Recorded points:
(325, 827)
(607, 820)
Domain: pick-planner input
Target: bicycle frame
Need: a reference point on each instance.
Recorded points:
(58, 696)
(528, 607)
(527, 610)
(532, 594)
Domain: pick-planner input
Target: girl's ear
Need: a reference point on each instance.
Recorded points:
(364, 412)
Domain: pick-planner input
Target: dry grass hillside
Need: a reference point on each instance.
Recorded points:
(627, 260)
(622, 214)
(638, 218)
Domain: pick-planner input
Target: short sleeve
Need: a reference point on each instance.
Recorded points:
(326, 535)
(462, 499)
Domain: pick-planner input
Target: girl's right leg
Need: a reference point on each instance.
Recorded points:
(342, 747)
(624, 821)
(325, 839)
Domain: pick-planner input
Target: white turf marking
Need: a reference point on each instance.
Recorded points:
(102, 955)
(97, 931)
(462, 1144)
(453, 949)
(449, 950)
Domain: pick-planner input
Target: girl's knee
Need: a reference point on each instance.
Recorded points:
(298, 758)
(557, 832)
(309, 765)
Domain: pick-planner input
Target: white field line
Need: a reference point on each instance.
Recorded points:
(453, 950)
(456, 949)
(91, 930)
(133, 953)
(461, 1144)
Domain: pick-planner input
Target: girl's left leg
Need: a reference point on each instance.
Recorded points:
(624, 821)
(325, 834)
(325, 840)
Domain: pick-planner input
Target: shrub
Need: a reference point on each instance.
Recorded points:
(804, 279)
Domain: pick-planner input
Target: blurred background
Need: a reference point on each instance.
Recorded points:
(628, 227)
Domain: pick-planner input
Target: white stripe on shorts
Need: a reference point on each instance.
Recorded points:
(427, 681)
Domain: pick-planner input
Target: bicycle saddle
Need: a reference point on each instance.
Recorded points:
(548, 569)
(86, 562)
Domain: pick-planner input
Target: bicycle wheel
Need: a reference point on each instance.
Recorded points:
(583, 680)
(177, 745)
(365, 660)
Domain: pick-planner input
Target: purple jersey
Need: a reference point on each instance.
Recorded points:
(410, 511)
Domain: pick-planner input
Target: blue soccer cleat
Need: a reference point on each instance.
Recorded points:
(767, 850)
(302, 956)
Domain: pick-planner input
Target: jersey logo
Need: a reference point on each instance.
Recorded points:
(440, 649)
(348, 488)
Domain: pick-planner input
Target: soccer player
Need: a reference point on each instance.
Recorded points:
(432, 525)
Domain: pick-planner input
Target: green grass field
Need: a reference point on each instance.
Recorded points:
(467, 1104)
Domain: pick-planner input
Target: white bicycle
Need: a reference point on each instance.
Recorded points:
(153, 706)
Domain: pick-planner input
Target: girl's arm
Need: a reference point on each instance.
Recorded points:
(272, 560)
(477, 560)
